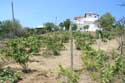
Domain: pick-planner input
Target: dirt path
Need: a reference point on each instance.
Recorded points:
(52, 63)
(106, 46)
(43, 65)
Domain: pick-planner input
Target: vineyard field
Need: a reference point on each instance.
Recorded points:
(46, 59)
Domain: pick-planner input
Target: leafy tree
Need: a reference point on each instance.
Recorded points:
(9, 28)
(50, 26)
(5, 26)
(106, 24)
(67, 24)
(122, 21)
(107, 21)
(120, 32)
(56, 28)
(74, 27)
(86, 27)
(61, 25)
(30, 31)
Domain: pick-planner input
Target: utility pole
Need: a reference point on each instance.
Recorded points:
(56, 20)
(71, 46)
(13, 18)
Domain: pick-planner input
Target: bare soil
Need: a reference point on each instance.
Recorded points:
(46, 68)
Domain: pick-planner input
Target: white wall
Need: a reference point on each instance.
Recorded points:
(93, 27)
(87, 21)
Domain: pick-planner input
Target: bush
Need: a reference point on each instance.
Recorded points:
(71, 75)
(107, 74)
(7, 75)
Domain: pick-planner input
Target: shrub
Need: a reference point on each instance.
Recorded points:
(71, 75)
(7, 75)
(107, 74)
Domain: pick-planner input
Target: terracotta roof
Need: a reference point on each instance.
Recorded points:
(78, 17)
(89, 13)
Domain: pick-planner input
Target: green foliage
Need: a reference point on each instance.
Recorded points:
(61, 25)
(7, 75)
(101, 67)
(99, 58)
(119, 64)
(104, 35)
(110, 28)
(71, 75)
(97, 62)
(67, 24)
(11, 29)
(106, 21)
(86, 27)
(53, 46)
(111, 70)
(83, 40)
(65, 37)
(50, 26)
(34, 43)
(54, 42)
(107, 74)
(74, 27)
(17, 52)
(20, 49)
(91, 66)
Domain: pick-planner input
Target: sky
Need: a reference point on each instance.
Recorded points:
(33, 13)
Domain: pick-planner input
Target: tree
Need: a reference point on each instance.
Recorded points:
(86, 27)
(9, 28)
(120, 32)
(122, 22)
(107, 21)
(67, 24)
(61, 25)
(56, 28)
(74, 27)
(50, 26)
(6, 26)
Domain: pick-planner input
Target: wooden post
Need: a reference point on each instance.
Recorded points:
(71, 47)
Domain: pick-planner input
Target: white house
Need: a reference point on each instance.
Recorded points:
(88, 19)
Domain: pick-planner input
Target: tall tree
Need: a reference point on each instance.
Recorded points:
(67, 24)
(10, 28)
(74, 27)
(120, 31)
(86, 27)
(61, 25)
(50, 27)
(107, 21)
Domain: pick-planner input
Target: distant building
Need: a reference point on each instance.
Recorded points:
(88, 19)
